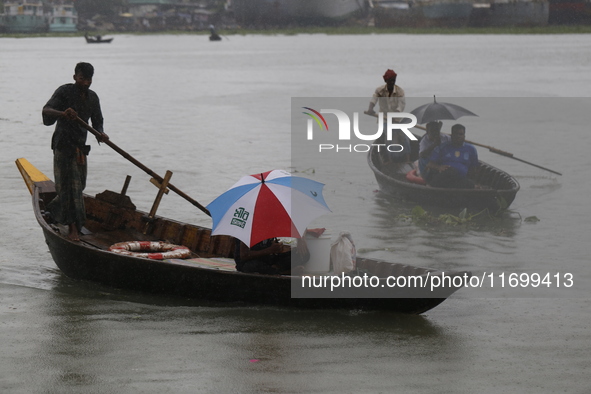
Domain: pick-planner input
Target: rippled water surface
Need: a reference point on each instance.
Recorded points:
(211, 112)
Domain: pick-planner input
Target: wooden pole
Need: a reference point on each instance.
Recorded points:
(157, 200)
(143, 167)
(163, 186)
(125, 185)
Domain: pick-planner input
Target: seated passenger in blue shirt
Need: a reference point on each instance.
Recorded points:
(431, 140)
(452, 162)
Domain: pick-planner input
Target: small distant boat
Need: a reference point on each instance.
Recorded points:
(97, 39)
(214, 36)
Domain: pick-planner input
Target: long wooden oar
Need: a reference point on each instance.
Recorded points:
(490, 148)
(510, 155)
(502, 153)
(143, 167)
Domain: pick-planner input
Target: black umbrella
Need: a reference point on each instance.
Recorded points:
(439, 111)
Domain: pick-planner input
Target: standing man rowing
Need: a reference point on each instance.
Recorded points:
(391, 99)
(68, 142)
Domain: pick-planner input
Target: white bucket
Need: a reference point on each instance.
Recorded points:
(319, 248)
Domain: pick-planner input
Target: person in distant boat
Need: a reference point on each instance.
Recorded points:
(451, 164)
(391, 99)
(68, 143)
(270, 257)
(213, 35)
(432, 139)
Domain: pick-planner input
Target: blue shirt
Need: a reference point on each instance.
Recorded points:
(459, 157)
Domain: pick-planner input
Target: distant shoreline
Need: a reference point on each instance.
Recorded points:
(348, 30)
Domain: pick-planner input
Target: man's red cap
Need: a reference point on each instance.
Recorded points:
(389, 75)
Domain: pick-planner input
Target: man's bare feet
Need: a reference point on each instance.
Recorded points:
(73, 232)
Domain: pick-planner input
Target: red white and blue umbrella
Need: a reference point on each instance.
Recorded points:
(267, 205)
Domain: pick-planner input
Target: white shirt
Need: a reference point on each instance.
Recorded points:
(394, 102)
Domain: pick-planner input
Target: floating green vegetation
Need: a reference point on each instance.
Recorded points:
(308, 171)
(421, 216)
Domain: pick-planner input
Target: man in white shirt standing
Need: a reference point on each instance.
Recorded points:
(391, 99)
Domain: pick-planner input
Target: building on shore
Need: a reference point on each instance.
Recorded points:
(421, 13)
(285, 13)
(497, 13)
(24, 17)
(63, 17)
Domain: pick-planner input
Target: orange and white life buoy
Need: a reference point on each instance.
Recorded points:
(151, 250)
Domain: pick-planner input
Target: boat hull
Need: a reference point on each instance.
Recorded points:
(499, 189)
(63, 18)
(188, 282)
(93, 40)
(111, 218)
(62, 28)
(25, 17)
(59, 25)
(25, 24)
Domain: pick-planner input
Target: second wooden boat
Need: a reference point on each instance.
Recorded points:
(495, 188)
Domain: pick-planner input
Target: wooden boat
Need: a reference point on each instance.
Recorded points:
(63, 18)
(25, 16)
(97, 40)
(208, 273)
(495, 188)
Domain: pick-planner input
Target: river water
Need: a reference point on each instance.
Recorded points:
(212, 112)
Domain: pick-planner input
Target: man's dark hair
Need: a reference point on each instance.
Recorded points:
(85, 69)
(434, 126)
(458, 127)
